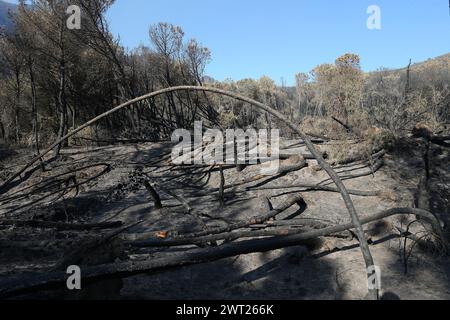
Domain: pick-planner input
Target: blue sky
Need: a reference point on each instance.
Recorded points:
(251, 38)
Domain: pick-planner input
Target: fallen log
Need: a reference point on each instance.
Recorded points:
(119, 141)
(28, 283)
(287, 153)
(61, 226)
(244, 224)
(314, 187)
(377, 166)
(230, 236)
(283, 170)
(43, 245)
(295, 223)
(238, 234)
(372, 170)
(227, 236)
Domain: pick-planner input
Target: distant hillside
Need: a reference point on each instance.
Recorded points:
(441, 63)
(5, 20)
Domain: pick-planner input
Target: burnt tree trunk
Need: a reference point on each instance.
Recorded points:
(61, 101)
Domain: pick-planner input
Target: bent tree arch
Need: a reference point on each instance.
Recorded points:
(368, 259)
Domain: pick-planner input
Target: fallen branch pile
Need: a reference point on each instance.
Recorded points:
(257, 234)
(273, 239)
